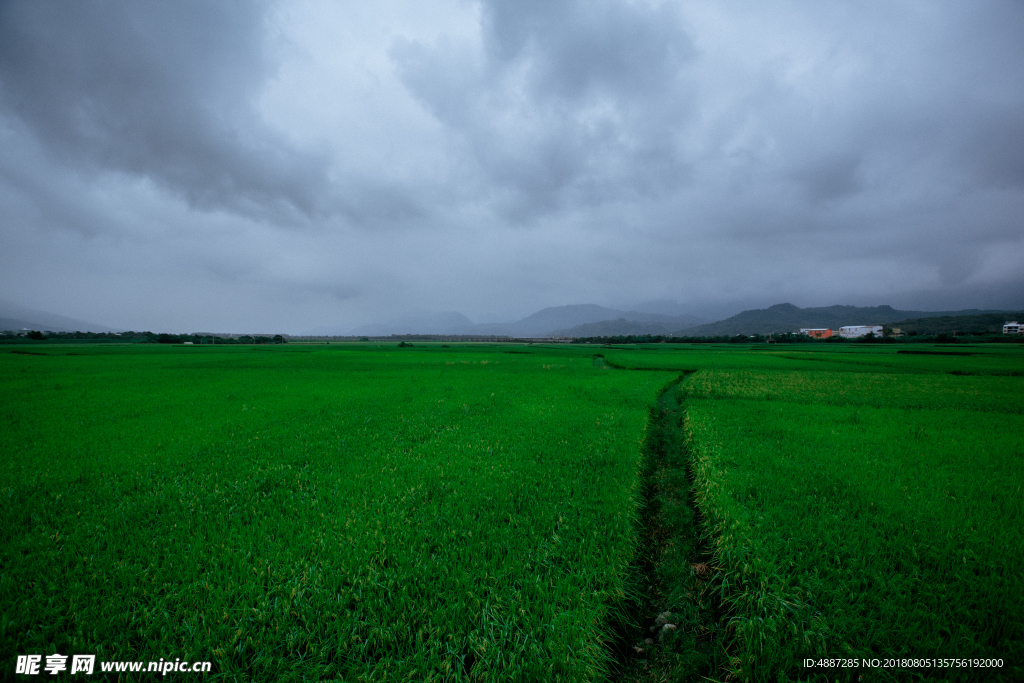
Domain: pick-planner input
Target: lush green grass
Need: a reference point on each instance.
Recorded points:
(675, 580)
(478, 512)
(368, 513)
(866, 513)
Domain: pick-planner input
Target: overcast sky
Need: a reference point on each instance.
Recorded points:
(279, 166)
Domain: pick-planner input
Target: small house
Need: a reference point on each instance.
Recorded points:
(854, 331)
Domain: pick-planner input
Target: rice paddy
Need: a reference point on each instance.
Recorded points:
(314, 513)
(863, 507)
(368, 512)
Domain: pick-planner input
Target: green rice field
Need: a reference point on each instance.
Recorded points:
(861, 505)
(481, 512)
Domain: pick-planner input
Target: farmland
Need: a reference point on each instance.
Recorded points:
(367, 512)
(314, 512)
(861, 505)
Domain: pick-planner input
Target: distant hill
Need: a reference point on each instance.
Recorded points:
(421, 322)
(547, 322)
(676, 320)
(563, 320)
(442, 322)
(667, 308)
(15, 317)
(616, 328)
(782, 318)
(952, 324)
(16, 325)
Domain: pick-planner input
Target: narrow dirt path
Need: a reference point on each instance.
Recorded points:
(676, 634)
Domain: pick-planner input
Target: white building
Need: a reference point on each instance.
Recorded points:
(1012, 328)
(853, 331)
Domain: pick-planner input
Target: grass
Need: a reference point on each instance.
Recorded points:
(502, 513)
(308, 513)
(679, 637)
(865, 514)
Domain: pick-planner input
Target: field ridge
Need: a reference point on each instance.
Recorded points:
(677, 612)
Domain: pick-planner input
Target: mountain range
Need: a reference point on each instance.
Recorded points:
(618, 327)
(566, 321)
(591, 320)
(782, 318)
(991, 323)
(424, 322)
(569, 321)
(15, 317)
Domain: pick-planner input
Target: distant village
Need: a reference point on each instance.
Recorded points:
(855, 331)
(849, 332)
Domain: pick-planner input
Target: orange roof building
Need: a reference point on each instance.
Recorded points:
(817, 332)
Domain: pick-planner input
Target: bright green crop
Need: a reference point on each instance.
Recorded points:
(870, 513)
(369, 512)
(324, 512)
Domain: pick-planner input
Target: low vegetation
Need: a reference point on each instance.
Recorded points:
(861, 505)
(306, 513)
(498, 512)
(34, 337)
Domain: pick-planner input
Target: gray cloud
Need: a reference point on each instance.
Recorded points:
(161, 90)
(577, 50)
(495, 157)
(830, 177)
(566, 103)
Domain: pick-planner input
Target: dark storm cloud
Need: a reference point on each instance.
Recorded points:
(578, 49)
(831, 177)
(156, 89)
(495, 157)
(568, 103)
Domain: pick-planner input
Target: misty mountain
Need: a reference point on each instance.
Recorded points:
(428, 322)
(421, 322)
(671, 320)
(672, 309)
(615, 328)
(556, 320)
(15, 325)
(545, 321)
(952, 324)
(782, 318)
(15, 317)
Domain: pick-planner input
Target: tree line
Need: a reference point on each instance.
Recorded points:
(794, 338)
(36, 336)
